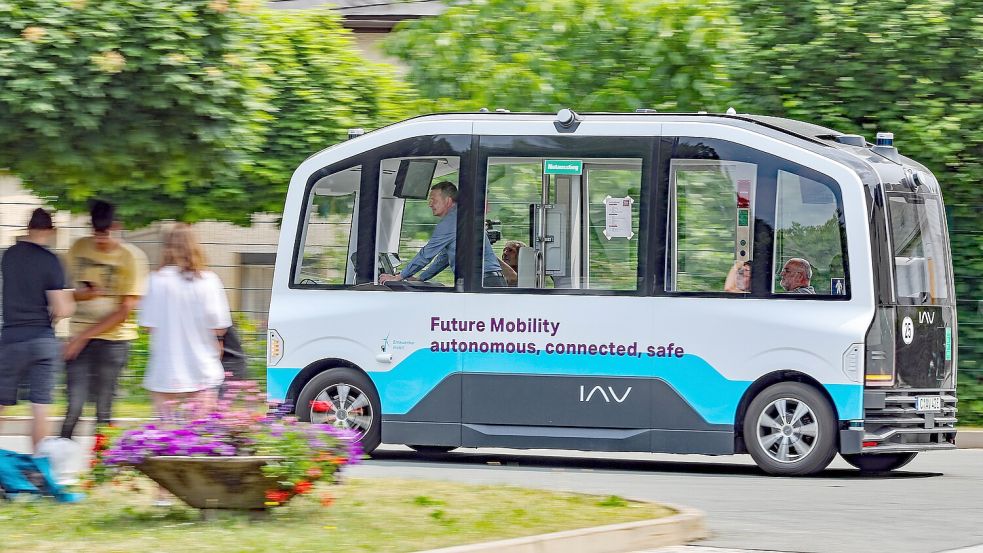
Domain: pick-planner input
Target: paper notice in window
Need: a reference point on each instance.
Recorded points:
(617, 217)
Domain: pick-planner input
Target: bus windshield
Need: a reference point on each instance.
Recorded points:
(920, 254)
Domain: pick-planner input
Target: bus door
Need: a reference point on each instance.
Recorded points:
(419, 387)
(557, 359)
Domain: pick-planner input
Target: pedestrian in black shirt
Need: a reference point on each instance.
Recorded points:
(34, 297)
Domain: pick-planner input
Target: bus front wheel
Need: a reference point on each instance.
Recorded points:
(879, 462)
(790, 430)
(346, 399)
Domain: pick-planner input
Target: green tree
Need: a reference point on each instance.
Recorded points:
(912, 68)
(319, 87)
(178, 109)
(136, 102)
(591, 55)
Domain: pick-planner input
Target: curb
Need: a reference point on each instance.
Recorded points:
(685, 526)
(969, 439)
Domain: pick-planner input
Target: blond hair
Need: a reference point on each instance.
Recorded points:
(181, 249)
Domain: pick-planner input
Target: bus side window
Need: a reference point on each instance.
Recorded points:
(326, 234)
(712, 222)
(809, 226)
(406, 222)
(590, 210)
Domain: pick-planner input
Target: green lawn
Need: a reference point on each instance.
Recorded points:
(135, 408)
(367, 515)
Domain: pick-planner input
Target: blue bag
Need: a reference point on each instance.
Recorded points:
(24, 474)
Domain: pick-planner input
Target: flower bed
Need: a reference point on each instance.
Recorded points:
(295, 455)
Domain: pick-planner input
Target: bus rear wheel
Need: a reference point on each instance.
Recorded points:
(790, 430)
(346, 399)
(879, 462)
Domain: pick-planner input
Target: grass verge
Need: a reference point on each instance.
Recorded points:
(136, 408)
(367, 515)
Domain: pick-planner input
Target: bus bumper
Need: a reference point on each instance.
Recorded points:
(894, 423)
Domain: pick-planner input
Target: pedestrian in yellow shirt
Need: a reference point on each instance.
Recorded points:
(109, 276)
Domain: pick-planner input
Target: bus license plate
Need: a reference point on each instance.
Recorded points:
(928, 403)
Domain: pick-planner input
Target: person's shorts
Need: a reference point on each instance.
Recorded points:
(38, 359)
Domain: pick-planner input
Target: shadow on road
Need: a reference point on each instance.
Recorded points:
(525, 461)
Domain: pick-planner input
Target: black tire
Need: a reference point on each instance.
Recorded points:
(327, 386)
(799, 446)
(879, 462)
(433, 449)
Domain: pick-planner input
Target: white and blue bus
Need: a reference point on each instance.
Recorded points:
(682, 283)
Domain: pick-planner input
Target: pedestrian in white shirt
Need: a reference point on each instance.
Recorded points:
(187, 312)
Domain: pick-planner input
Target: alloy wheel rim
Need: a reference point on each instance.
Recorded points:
(787, 430)
(348, 407)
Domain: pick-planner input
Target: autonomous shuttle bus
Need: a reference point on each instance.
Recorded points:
(682, 283)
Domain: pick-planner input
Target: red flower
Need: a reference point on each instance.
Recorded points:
(326, 500)
(302, 487)
(101, 443)
(278, 496)
(315, 472)
(320, 406)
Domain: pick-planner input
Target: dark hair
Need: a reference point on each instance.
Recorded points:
(446, 188)
(40, 220)
(103, 214)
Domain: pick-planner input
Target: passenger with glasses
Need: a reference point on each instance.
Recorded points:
(796, 275)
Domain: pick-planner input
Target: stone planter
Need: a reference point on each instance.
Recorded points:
(212, 482)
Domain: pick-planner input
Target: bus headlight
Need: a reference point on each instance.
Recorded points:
(274, 347)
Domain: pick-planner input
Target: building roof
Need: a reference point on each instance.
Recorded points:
(379, 15)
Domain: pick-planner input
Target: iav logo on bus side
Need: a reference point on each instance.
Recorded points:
(607, 396)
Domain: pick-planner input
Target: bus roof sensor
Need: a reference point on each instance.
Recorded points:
(567, 120)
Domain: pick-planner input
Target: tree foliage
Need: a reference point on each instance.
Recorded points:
(136, 102)
(320, 88)
(912, 68)
(177, 109)
(536, 55)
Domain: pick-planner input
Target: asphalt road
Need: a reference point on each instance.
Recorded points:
(934, 504)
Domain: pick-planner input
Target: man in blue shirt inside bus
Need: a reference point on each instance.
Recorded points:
(440, 251)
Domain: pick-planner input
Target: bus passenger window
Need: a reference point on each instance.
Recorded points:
(514, 185)
(327, 236)
(712, 225)
(408, 220)
(809, 254)
(564, 224)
